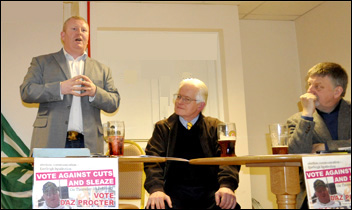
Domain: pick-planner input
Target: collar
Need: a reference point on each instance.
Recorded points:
(184, 122)
(69, 57)
(337, 108)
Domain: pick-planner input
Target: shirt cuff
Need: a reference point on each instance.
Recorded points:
(61, 95)
(91, 99)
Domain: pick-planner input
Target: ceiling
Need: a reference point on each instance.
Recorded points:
(260, 10)
(275, 10)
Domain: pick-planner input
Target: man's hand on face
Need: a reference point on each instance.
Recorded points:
(308, 101)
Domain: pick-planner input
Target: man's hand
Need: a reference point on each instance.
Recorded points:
(308, 101)
(88, 86)
(157, 200)
(75, 85)
(225, 198)
(318, 147)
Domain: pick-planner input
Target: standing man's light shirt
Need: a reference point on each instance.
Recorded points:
(76, 66)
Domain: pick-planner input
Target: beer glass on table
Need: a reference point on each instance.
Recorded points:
(279, 138)
(227, 139)
(114, 135)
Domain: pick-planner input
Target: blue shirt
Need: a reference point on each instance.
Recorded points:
(184, 122)
(331, 122)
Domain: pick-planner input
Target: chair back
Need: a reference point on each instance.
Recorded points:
(131, 176)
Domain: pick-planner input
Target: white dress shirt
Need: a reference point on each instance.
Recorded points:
(76, 66)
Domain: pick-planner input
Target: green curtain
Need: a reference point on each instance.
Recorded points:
(16, 179)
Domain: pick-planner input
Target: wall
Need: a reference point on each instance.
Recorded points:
(28, 29)
(276, 58)
(147, 67)
(272, 86)
(33, 28)
(195, 17)
(324, 34)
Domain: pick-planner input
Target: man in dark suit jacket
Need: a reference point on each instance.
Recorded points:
(325, 121)
(71, 89)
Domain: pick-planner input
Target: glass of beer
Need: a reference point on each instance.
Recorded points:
(279, 138)
(115, 137)
(227, 139)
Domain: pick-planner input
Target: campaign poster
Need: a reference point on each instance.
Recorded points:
(328, 181)
(74, 183)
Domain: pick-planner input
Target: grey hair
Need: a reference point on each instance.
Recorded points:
(335, 71)
(202, 95)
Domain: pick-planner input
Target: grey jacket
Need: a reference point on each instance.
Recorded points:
(42, 85)
(305, 133)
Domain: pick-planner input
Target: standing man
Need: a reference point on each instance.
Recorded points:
(71, 89)
(325, 122)
(188, 134)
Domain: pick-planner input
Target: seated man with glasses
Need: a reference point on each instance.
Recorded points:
(188, 134)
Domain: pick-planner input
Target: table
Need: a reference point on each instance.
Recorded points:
(122, 159)
(284, 174)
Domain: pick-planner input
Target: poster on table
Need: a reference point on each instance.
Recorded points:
(74, 183)
(328, 181)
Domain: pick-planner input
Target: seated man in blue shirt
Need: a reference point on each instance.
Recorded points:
(325, 121)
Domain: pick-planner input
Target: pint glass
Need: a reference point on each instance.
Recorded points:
(227, 139)
(115, 137)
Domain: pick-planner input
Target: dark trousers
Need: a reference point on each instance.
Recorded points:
(305, 203)
(186, 197)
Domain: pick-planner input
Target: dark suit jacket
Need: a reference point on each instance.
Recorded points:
(163, 143)
(42, 85)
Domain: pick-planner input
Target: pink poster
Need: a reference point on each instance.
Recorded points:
(328, 181)
(66, 183)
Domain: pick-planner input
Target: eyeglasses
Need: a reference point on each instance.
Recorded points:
(185, 99)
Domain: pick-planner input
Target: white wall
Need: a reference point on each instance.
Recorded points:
(324, 34)
(276, 58)
(272, 86)
(28, 29)
(147, 67)
(33, 28)
(176, 17)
